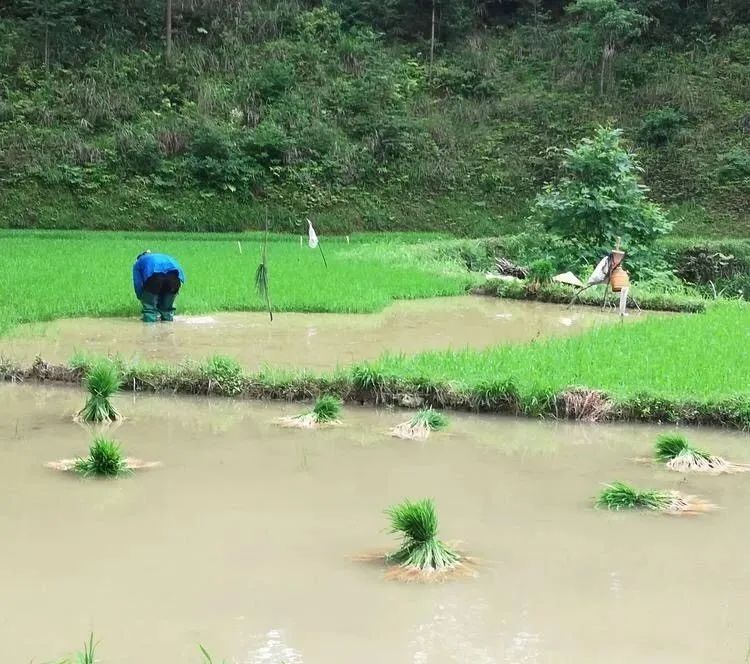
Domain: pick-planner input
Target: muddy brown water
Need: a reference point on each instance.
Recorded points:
(312, 341)
(241, 541)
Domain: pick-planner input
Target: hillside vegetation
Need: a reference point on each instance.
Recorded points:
(273, 110)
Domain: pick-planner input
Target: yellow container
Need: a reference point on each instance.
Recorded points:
(619, 279)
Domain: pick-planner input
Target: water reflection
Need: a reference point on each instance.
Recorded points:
(272, 650)
(453, 633)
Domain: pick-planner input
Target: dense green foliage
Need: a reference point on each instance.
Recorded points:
(599, 200)
(279, 109)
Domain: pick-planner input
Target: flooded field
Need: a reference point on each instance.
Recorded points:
(241, 541)
(312, 341)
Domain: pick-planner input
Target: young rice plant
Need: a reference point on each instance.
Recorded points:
(105, 459)
(325, 412)
(422, 556)
(677, 453)
(620, 496)
(102, 382)
(420, 425)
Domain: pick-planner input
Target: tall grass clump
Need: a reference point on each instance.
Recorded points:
(326, 411)
(677, 453)
(102, 382)
(420, 425)
(422, 556)
(620, 496)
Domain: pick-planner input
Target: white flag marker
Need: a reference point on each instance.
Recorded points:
(312, 240)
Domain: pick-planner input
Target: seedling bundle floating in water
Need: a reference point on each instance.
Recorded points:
(102, 382)
(620, 496)
(422, 556)
(325, 413)
(420, 426)
(105, 459)
(678, 454)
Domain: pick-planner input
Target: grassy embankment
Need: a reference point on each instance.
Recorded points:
(691, 369)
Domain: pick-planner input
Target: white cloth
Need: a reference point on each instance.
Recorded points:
(600, 275)
(312, 238)
(624, 301)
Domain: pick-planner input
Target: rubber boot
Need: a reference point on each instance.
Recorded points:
(150, 311)
(166, 306)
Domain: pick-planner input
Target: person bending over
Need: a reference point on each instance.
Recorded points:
(156, 280)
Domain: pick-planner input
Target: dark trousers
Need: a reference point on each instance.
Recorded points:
(159, 294)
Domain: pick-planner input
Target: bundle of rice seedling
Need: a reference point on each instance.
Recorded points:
(420, 426)
(105, 459)
(261, 275)
(674, 450)
(620, 496)
(102, 382)
(325, 412)
(422, 556)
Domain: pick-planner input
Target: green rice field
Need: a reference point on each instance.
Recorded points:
(44, 276)
(701, 356)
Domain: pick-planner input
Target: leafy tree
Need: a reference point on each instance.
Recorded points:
(604, 26)
(599, 198)
(49, 19)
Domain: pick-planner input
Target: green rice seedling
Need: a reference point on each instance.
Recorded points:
(105, 459)
(677, 453)
(325, 412)
(422, 556)
(102, 382)
(420, 425)
(620, 496)
(88, 654)
(541, 271)
(206, 656)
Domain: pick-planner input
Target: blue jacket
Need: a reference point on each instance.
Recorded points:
(149, 264)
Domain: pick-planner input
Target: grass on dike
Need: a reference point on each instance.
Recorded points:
(44, 276)
(700, 356)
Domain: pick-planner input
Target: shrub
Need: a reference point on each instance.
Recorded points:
(734, 167)
(662, 126)
(138, 151)
(599, 198)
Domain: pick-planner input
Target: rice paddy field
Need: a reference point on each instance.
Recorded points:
(44, 276)
(148, 527)
(701, 356)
